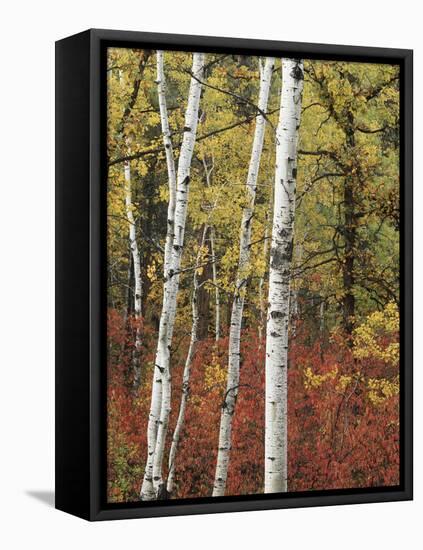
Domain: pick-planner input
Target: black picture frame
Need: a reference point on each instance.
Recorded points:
(80, 283)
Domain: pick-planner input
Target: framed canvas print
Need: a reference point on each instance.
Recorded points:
(234, 274)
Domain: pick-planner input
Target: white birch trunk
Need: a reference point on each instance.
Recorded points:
(187, 371)
(279, 278)
(136, 367)
(161, 399)
(170, 160)
(229, 401)
(216, 287)
(170, 234)
(147, 489)
(261, 284)
(133, 241)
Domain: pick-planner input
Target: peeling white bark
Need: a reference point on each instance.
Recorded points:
(136, 368)
(229, 401)
(153, 485)
(170, 160)
(147, 489)
(133, 240)
(187, 370)
(276, 468)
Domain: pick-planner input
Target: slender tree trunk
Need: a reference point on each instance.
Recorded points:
(216, 287)
(153, 485)
(279, 278)
(129, 293)
(187, 370)
(261, 284)
(136, 367)
(208, 173)
(203, 295)
(133, 245)
(147, 489)
(170, 160)
(229, 401)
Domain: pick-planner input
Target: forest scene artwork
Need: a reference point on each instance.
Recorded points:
(252, 275)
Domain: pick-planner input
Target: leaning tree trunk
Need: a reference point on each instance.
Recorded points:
(153, 485)
(170, 160)
(147, 489)
(136, 368)
(229, 401)
(276, 468)
(187, 369)
(156, 398)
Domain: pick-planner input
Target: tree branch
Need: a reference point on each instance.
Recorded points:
(236, 96)
(155, 150)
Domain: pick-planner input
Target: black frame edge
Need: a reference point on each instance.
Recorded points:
(406, 299)
(252, 45)
(72, 472)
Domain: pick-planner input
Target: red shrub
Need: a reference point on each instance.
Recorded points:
(339, 436)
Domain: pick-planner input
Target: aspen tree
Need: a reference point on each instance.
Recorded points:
(170, 159)
(136, 262)
(136, 368)
(153, 485)
(279, 278)
(230, 397)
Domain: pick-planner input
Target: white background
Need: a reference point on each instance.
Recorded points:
(27, 37)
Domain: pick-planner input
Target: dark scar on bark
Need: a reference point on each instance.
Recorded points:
(276, 314)
(297, 73)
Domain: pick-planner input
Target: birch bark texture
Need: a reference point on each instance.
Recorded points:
(276, 421)
(170, 159)
(153, 486)
(231, 393)
(136, 367)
